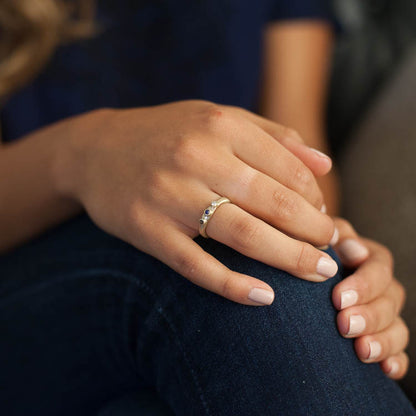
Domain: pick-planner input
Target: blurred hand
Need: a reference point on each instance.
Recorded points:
(146, 175)
(370, 301)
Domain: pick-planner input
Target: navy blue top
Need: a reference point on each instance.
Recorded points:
(154, 51)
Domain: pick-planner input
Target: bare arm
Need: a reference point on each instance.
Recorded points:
(29, 200)
(145, 175)
(296, 66)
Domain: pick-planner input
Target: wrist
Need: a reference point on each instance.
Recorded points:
(73, 154)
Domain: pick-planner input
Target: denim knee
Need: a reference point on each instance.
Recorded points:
(204, 354)
(286, 358)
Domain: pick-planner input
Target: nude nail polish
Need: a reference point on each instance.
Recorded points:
(348, 298)
(352, 250)
(319, 153)
(326, 267)
(323, 208)
(335, 237)
(375, 350)
(394, 368)
(357, 325)
(263, 296)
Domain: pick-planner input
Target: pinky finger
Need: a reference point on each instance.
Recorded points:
(187, 258)
(396, 366)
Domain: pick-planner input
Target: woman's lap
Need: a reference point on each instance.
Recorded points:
(86, 319)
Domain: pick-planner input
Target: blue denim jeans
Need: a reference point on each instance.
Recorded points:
(91, 326)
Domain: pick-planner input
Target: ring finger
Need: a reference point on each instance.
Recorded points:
(250, 236)
(238, 229)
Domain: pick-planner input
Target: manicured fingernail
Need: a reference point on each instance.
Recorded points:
(326, 267)
(263, 296)
(348, 298)
(352, 250)
(375, 350)
(320, 153)
(335, 237)
(394, 368)
(323, 208)
(357, 325)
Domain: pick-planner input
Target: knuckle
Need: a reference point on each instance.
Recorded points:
(244, 233)
(292, 133)
(187, 151)
(214, 116)
(303, 178)
(302, 263)
(188, 265)
(344, 227)
(157, 184)
(283, 205)
(227, 286)
(318, 199)
(249, 179)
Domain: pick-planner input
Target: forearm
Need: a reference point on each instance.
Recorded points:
(29, 198)
(295, 79)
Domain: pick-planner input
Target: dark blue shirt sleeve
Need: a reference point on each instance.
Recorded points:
(301, 9)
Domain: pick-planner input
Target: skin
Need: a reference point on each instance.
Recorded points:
(295, 73)
(182, 155)
(129, 168)
(296, 70)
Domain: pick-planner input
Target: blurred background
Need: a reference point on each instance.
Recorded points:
(372, 127)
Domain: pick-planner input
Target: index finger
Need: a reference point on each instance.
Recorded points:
(187, 258)
(258, 149)
(319, 163)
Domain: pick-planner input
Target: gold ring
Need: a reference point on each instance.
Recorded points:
(208, 213)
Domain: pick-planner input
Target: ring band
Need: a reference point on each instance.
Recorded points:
(208, 213)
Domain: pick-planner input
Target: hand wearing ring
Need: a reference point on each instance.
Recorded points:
(172, 160)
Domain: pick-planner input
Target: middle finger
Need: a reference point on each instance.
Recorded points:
(254, 238)
(271, 201)
(262, 152)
